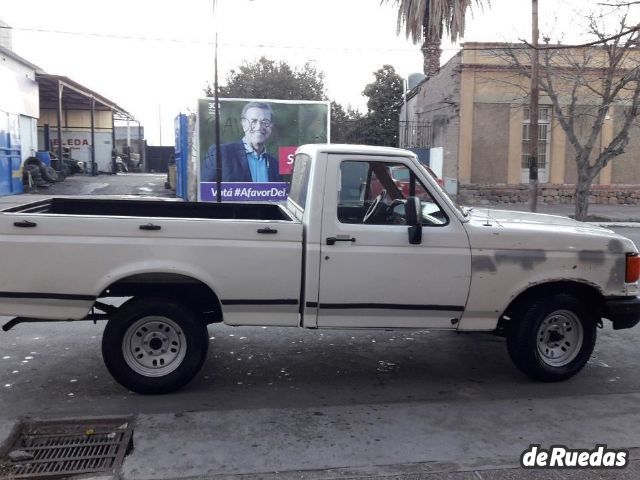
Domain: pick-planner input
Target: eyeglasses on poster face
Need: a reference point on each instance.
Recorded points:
(254, 123)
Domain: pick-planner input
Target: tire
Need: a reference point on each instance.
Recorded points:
(35, 162)
(49, 174)
(154, 345)
(554, 337)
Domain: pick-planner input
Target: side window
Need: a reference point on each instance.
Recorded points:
(375, 193)
(300, 180)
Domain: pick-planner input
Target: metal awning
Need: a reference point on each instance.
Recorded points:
(59, 92)
(75, 96)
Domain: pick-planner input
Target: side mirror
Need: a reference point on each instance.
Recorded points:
(413, 215)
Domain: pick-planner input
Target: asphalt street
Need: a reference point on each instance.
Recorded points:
(276, 399)
(278, 403)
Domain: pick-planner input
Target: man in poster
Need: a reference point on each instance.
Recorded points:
(247, 159)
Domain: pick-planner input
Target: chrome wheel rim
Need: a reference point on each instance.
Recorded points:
(559, 338)
(154, 346)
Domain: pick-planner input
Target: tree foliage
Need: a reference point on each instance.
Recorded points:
(383, 107)
(423, 21)
(346, 124)
(270, 79)
(380, 125)
(424, 18)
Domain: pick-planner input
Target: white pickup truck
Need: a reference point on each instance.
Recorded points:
(354, 247)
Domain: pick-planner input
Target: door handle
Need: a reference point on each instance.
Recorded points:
(267, 230)
(150, 226)
(25, 224)
(333, 240)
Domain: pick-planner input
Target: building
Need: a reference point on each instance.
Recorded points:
(477, 106)
(131, 144)
(19, 111)
(86, 118)
(41, 111)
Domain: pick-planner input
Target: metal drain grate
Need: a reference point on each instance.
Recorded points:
(55, 450)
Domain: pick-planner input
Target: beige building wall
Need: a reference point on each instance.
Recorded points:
(76, 118)
(490, 145)
(625, 168)
(482, 138)
(582, 126)
(465, 149)
(558, 160)
(514, 167)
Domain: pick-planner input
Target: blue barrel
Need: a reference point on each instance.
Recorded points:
(44, 157)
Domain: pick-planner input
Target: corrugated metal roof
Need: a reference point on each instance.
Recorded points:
(75, 92)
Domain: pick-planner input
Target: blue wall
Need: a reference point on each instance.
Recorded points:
(10, 159)
(182, 154)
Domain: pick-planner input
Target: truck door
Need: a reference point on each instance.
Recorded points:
(370, 275)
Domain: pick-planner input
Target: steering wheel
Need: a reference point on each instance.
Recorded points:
(373, 208)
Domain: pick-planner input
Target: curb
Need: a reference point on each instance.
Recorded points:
(616, 224)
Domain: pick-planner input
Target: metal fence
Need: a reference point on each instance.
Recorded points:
(415, 134)
(349, 131)
(408, 135)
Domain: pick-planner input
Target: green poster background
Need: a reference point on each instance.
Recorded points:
(294, 123)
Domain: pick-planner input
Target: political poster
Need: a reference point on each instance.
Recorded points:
(258, 139)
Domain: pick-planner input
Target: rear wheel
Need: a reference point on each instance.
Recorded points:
(154, 345)
(553, 338)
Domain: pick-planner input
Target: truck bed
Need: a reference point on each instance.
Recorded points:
(154, 208)
(67, 252)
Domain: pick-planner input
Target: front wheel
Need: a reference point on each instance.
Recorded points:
(553, 338)
(154, 345)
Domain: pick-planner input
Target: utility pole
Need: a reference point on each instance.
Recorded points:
(217, 104)
(533, 111)
(160, 123)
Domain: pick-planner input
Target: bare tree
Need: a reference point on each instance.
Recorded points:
(588, 86)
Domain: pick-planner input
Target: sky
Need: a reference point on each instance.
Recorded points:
(154, 57)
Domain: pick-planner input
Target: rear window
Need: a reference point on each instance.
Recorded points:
(400, 174)
(300, 180)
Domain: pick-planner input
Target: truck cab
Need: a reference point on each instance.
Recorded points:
(364, 272)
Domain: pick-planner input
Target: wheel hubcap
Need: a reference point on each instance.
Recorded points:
(154, 346)
(559, 338)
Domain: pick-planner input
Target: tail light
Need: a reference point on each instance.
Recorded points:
(632, 271)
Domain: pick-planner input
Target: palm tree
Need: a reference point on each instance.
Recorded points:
(423, 21)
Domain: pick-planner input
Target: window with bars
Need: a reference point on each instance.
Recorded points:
(544, 122)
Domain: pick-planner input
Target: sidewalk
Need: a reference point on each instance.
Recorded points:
(598, 213)
(141, 184)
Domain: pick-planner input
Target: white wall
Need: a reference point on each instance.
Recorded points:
(78, 140)
(28, 136)
(18, 88)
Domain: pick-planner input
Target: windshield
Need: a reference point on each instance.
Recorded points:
(464, 211)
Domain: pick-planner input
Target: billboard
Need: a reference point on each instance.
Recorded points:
(257, 141)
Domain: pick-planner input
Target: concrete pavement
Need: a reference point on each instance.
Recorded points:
(319, 443)
(139, 184)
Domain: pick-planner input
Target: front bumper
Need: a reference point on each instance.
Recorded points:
(624, 312)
